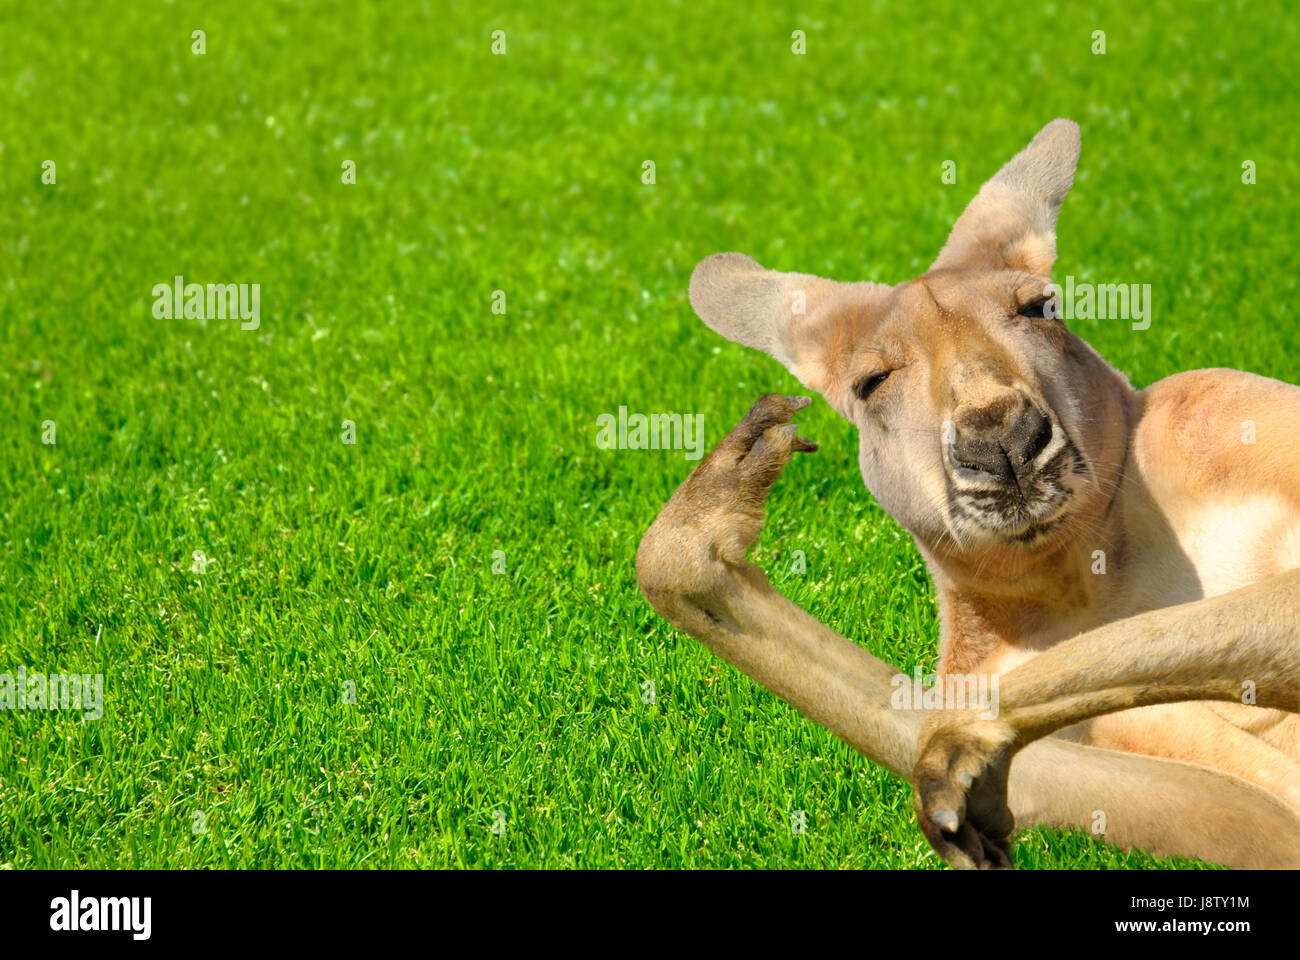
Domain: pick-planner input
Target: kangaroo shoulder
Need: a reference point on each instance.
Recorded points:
(1220, 431)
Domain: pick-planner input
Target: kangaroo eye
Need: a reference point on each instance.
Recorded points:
(867, 385)
(1034, 308)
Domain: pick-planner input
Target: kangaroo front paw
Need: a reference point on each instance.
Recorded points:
(961, 789)
(717, 512)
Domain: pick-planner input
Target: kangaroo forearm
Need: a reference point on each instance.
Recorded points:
(824, 676)
(1243, 646)
(1149, 802)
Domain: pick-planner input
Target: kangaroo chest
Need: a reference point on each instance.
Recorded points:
(1174, 556)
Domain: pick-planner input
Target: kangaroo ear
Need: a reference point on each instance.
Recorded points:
(808, 323)
(1011, 223)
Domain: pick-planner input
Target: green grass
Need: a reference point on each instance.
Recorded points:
(372, 563)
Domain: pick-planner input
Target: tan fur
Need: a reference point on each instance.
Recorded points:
(1014, 454)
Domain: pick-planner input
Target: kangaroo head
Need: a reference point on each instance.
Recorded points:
(986, 427)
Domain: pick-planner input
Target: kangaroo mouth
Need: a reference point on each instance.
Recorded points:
(1028, 507)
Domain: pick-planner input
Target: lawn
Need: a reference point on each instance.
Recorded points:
(386, 642)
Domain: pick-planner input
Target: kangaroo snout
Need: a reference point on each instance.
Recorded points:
(1000, 439)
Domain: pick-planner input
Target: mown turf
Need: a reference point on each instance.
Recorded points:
(373, 563)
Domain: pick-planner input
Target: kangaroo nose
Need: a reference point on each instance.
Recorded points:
(1027, 437)
(1003, 449)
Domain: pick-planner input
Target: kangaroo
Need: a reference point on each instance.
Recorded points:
(1126, 562)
